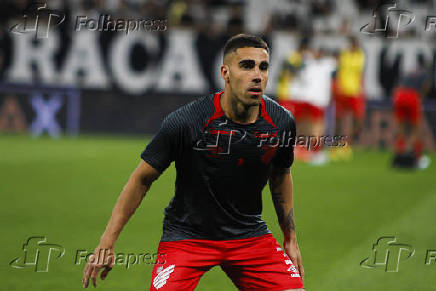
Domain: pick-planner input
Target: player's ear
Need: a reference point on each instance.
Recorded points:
(225, 73)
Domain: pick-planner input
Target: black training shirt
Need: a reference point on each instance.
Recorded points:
(222, 167)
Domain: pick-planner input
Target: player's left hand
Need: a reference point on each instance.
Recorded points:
(102, 258)
(293, 251)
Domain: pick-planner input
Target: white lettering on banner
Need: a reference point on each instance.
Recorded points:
(27, 52)
(84, 55)
(409, 51)
(372, 48)
(180, 67)
(126, 78)
(46, 115)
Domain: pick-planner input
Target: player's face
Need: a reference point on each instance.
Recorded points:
(246, 74)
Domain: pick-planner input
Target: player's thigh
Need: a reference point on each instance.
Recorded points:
(175, 277)
(400, 113)
(262, 265)
(316, 113)
(181, 264)
(341, 106)
(415, 110)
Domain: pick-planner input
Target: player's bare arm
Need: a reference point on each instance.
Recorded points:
(130, 198)
(280, 183)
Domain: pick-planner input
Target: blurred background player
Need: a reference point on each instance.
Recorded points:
(291, 90)
(349, 96)
(304, 89)
(318, 77)
(407, 96)
(291, 68)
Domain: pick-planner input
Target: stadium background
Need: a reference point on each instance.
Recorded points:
(101, 95)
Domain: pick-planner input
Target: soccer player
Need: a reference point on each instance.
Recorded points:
(292, 93)
(318, 74)
(304, 89)
(292, 86)
(349, 92)
(408, 111)
(226, 147)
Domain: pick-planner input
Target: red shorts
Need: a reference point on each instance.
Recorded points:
(301, 110)
(407, 105)
(257, 263)
(353, 104)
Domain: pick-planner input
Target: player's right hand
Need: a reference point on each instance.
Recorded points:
(293, 251)
(102, 258)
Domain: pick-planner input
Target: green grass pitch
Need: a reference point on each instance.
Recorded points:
(65, 189)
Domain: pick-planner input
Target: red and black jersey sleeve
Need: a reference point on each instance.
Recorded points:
(284, 157)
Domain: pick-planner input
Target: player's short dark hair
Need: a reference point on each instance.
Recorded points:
(244, 40)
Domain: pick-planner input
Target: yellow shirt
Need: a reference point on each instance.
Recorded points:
(295, 59)
(350, 72)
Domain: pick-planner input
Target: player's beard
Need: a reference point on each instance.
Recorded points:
(251, 99)
(245, 100)
(241, 106)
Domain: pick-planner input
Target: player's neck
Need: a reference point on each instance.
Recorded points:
(237, 112)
